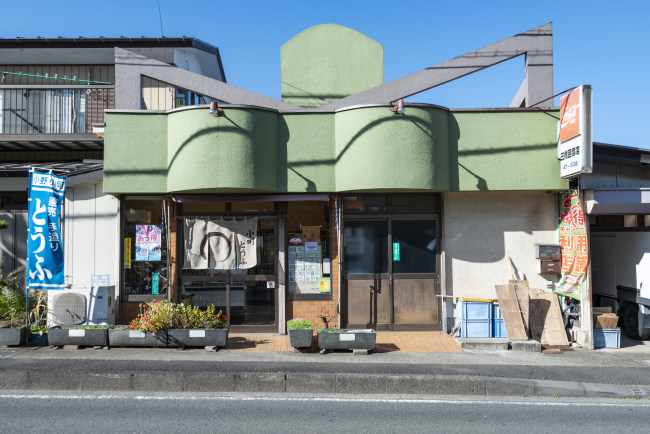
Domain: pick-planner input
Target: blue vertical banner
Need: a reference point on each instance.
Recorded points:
(44, 248)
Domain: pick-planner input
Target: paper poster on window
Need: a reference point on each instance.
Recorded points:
(573, 244)
(148, 242)
(311, 234)
(127, 252)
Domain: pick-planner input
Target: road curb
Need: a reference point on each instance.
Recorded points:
(338, 383)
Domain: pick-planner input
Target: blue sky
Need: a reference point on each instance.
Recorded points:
(602, 43)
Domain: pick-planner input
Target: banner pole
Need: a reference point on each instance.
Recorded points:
(29, 199)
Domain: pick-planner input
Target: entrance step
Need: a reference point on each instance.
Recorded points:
(485, 344)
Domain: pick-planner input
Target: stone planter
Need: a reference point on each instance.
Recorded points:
(70, 336)
(364, 339)
(300, 338)
(197, 337)
(136, 338)
(13, 336)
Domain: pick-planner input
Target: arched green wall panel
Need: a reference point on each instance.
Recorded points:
(377, 150)
(235, 152)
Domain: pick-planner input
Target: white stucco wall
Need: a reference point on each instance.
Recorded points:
(91, 230)
(482, 229)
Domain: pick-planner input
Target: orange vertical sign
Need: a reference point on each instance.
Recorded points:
(570, 115)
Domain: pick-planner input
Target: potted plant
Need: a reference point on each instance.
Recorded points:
(193, 327)
(38, 319)
(87, 335)
(39, 335)
(148, 329)
(300, 332)
(13, 315)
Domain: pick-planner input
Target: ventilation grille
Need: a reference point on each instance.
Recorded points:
(69, 309)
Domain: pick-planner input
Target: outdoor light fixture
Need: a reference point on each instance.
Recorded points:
(399, 108)
(215, 110)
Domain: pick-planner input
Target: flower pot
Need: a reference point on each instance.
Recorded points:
(197, 337)
(71, 336)
(300, 338)
(39, 340)
(364, 339)
(136, 338)
(13, 336)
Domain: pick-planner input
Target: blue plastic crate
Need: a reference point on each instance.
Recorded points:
(476, 328)
(474, 310)
(498, 328)
(607, 338)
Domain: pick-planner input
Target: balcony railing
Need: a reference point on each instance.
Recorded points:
(52, 109)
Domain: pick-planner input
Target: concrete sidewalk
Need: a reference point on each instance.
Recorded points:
(620, 372)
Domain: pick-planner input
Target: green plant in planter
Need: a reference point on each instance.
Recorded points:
(299, 324)
(164, 315)
(40, 329)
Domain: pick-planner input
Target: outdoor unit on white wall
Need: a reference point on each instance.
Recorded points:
(81, 305)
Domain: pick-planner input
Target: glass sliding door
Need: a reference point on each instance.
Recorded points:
(391, 272)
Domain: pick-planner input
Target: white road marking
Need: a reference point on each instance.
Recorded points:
(319, 399)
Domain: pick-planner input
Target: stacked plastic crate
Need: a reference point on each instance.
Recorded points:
(475, 316)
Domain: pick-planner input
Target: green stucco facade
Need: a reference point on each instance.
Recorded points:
(429, 148)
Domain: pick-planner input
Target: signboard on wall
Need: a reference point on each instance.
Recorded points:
(574, 146)
(574, 246)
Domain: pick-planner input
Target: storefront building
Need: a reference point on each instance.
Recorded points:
(328, 203)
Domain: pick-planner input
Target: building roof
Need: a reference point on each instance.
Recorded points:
(624, 153)
(102, 42)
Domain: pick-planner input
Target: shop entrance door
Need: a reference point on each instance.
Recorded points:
(391, 273)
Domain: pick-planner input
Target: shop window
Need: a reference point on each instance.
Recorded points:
(364, 203)
(252, 207)
(204, 207)
(366, 246)
(417, 246)
(13, 200)
(145, 247)
(413, 203)
(308, 247)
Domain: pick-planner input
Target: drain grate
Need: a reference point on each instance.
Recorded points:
(640, 390)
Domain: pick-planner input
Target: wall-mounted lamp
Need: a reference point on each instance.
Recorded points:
(215, 110)
(399, 108)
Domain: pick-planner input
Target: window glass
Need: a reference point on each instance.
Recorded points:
(308, 246)
(364, 203)
(417, 246)
(204, 207)
(415, 203)
(145, 247)
(365, 246)
(252, 207)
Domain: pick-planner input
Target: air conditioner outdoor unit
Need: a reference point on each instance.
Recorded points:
(81, 305)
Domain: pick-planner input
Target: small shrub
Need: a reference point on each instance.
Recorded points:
(299, 324)
(163, 315)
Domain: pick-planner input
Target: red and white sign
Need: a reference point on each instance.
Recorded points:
(570, 115)
(574, 147)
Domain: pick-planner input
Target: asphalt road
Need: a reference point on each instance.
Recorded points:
(58, 413)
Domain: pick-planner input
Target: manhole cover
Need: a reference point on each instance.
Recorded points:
(640, 390)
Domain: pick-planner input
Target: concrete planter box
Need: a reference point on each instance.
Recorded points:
(136, 338)
(71, 336)
(197, 337)
(300, 338)
(12, 336)
(364, 339)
